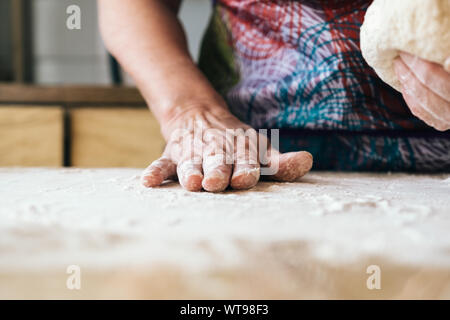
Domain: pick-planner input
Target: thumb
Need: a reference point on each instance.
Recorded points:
(291, 165)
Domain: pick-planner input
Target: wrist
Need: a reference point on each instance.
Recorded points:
(178, 89)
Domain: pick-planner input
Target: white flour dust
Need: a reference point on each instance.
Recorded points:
(104, 217)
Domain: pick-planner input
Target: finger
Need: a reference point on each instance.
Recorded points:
(217, 172)
(416, 109)
(159, 171)
(246, 171)
(245, 176)
(424, 103)
(292, 165)
(190, 174)
(189, 167)
(431, 75)
(216, 166)
(421, 112)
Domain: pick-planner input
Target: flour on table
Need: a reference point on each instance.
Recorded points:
(106, 218)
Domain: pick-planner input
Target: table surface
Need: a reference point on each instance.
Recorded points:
(271, 242)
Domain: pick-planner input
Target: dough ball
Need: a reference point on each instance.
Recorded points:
(420, 27)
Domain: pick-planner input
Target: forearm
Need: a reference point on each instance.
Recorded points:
(149, 42)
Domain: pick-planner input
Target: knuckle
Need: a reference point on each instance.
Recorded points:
(214, 161)
(190, 160)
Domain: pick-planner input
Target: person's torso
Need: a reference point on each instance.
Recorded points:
(298, 65)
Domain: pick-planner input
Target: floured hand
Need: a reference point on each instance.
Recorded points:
(202, 154)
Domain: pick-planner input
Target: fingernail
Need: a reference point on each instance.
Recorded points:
(151, 181)
(192, 182)
(215, 183)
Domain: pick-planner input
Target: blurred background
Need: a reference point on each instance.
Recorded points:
(64, 101)
(36, 47)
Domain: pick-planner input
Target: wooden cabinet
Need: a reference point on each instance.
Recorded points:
(76, 126)
(114, 137)
(31, 136)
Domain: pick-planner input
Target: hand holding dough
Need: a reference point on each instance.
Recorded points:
(422, 29)
(418, 27)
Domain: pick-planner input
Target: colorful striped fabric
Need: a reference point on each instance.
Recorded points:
(297, 66)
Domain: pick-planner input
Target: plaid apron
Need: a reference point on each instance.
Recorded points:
(297, 66)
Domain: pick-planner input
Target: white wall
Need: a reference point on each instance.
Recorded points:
(67, 56)
(78, 56)
(195, 15)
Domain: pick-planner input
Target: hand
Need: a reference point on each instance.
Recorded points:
(426, 89)
(202, 155)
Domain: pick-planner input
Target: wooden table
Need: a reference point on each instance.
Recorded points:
(317, 238)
